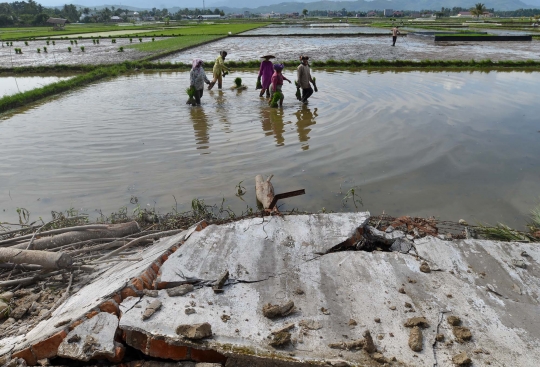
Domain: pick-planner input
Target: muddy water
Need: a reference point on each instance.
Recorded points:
(360, 48)
(15, 84)
(314, 29)
(454, 145)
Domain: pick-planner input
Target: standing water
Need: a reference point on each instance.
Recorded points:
(449, 144)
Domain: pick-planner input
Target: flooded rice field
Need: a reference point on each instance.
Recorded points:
(314, 29)
(360, 48)
(105, 52)
(14, 84)
(453, 145)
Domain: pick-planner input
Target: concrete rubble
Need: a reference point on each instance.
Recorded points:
(298, 290)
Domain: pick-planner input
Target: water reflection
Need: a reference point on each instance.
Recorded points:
(305, 119)
(221, 103)
(272, 124)
(201, 127)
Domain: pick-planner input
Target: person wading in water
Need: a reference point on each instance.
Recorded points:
(265, 73)
(219, 70)
(395, 32)
(197, 78)
(304, 79)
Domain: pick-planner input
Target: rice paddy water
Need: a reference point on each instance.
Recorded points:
(449, 144)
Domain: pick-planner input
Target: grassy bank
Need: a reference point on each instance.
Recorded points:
(174, 43)
(205, 29)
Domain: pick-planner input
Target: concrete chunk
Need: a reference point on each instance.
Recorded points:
(415, 339)
(273, 311)
(92, 339)
(417, 321)
(195, 331)
(181, 290)
(151, 309)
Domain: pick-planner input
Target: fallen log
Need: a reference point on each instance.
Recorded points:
(264, 190)
(49, 260)
(109, 231)
(55, 231)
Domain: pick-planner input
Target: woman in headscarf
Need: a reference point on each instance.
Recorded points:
(277, 81)
(265, 73)
(197, 78)
(219, 70)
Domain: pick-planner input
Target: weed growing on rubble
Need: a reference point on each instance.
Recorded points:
(502, 232)
(240, 190)
(535, 217)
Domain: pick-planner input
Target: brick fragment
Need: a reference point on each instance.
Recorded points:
(117, 298)
(136, 340)
(110, 306)
(156, 266)
(27, 355)
(91, 314)
(201, 226)
(208, 356)
(137, 283)
(119, 352)
(128, 291)
(75, 324)
(161, 349)
(48, 347)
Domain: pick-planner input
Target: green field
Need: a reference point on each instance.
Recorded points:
(173, 43)
(172, 30)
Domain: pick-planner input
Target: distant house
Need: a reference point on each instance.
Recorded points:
(58, 23)
(116, 19)
(398, 13)
(465, 14)
(371, 14)
(133, 15)
(213, 16)
(388, 12)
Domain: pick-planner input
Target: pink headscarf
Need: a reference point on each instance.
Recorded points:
(197, 63)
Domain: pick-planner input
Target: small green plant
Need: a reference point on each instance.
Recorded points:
(94, 42)
(53, 43)
(131, 40)
(69, 49)
(298, 94)
(26, 43)
(153, 39)
(97, 41)
(501, 232)
(44, 49)
(71, 41)
(238, 82)
(39, 50)
(259, 84)
(82, 48)
(140, 39)
(80, 37)
(353, 196)
(121, 49)
(275, 99)
(113, 40)
(191, 94)
(47, 43)
(240, 190)
(75, 41)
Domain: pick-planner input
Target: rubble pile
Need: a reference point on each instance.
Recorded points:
(299, 290)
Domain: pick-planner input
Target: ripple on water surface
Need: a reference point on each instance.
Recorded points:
(454, 145)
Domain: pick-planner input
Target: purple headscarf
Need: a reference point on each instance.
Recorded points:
(278, 67)
(197, 63)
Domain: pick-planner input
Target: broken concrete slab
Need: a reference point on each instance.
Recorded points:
(349, 285)
(195, 331)
(93, 339)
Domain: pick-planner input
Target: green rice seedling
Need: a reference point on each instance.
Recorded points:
(275, 99)
(97, 41)
(69, 49)
(44, 49)
(99, 36)
(352, 195)
(53, 43)
(39, 50)
(71, 41)
(153, 39)
(298, 94)
(121, 49)
(238, 82)
(94, 42)
(26, 43)
(82, 48)
(315, 84)
(75, 41)
(140, 39)
(191, 94)
(47, 43)
(113, 40)
(131, 40)
(80, 37)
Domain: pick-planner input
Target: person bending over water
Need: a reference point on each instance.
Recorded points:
(265, 73)
(395, 32)
(197, 78)
(219, 70)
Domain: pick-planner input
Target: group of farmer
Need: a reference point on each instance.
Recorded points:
(270, 79)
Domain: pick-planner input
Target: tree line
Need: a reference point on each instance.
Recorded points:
(30, 13)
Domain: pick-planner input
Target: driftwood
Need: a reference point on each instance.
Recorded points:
(49, 260)
(264, 191)
(141, 239)
(107, 231)
(54, 231)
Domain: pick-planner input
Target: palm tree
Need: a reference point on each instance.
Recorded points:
(304, 12)
(479, 9)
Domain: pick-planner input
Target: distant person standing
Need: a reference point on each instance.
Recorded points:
(304, 79)
(395, 32)
(219, 70)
